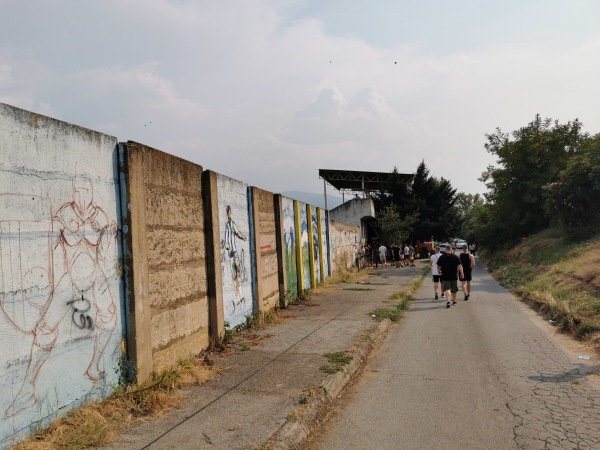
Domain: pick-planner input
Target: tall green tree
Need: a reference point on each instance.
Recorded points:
(429, 199)
(573, 199)
(528, 159)
(465, 206)
(391, 228)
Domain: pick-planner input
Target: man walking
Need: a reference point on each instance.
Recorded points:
(467, 261)
(382, 254)
(449, 268)
(434, 270)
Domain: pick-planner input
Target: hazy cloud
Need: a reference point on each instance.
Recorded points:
(270, 91)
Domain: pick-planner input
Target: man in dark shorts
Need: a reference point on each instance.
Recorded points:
(434, 270)
(468, 263)
(396, 252)
(449, 268)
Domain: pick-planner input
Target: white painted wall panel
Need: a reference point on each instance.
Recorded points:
(60, 291)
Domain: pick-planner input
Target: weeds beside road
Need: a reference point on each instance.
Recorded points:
(557, 277)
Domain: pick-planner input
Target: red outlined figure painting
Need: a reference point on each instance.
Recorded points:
(74, 299)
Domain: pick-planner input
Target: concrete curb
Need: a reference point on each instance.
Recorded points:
(293, 432)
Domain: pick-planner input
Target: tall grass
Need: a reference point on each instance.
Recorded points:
(558, 277)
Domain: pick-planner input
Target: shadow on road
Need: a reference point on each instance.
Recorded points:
(568, 376)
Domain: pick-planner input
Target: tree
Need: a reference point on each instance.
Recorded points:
(573, 199)
(466, 205)
(476, 220)
(428, 199)
(528, 160)
(391, 228)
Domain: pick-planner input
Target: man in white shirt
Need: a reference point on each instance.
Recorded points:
(382, 253)
(434, 270)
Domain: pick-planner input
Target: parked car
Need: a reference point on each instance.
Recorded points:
(443, 247)
(460, 243)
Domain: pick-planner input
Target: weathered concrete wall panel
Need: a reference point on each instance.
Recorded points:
(266, 250)
(289, 249)
(344, 242)
(236, 260)
(60, 289)
(315, 252)
(323, 243)
(166, 265)
(303, 246)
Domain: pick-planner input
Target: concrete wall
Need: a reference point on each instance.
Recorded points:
(304, 260)
(236, 259)
(314, 245)
(324, 242)
(60, 285)
(357, 211)
(265, 245)
(165, 262)
(288, 253)
(345, 240)
(108, 247)
(352, 211)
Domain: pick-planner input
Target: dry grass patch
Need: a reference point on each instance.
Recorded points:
(254, 339)
(344, 276)
(558, 278)
(100, 423)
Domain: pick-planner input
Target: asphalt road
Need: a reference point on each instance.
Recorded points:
(487, 373)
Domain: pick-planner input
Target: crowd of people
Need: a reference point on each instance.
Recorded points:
(447, 268)
(395, 256)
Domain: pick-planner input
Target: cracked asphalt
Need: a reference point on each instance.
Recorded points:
(487, 373)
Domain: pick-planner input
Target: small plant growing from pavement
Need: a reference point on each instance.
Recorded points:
(401, 299)
(308, 393)
(336, 362)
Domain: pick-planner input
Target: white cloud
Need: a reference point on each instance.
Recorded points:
(249, 90)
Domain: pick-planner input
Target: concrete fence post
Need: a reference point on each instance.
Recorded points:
(214, 278)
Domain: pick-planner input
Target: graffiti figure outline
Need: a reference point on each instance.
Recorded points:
(83, 259)
(236, 261)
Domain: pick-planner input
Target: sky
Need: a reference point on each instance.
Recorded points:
(268, 92)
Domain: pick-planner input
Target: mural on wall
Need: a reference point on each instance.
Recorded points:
(59, 296)
(324, 243)
(235, 250)
(304, 247)
(316, 253)
(289, 251)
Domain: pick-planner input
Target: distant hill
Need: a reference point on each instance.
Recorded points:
(316, 199)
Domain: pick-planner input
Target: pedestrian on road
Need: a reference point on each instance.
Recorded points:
(396, 251)
(434, 270)
(468, 264)
(450, 269)
(382, 254)
(406, 255)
